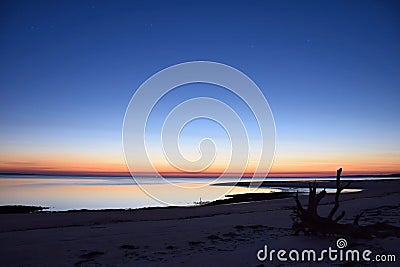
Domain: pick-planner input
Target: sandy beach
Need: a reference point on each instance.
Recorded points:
(229, 235)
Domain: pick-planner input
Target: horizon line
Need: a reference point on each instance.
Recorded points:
(203, 175)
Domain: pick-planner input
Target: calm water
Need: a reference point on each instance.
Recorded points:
(65, 193)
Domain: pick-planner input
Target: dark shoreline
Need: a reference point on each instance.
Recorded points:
(250, 197)
(13, 209)
(230, 199)
(354, 184)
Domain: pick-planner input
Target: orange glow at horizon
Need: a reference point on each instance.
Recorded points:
(283, 166)
(288, 161)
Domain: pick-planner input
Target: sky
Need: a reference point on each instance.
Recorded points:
(330, 71)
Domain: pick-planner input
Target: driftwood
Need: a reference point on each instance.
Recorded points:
(308, 221)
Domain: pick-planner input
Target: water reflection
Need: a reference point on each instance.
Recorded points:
(60, 193)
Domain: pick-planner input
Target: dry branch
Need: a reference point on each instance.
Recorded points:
(308, 221)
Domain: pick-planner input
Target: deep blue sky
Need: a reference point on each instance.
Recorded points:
(329, 69)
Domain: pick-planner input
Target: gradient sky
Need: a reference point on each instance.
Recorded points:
(330, 71)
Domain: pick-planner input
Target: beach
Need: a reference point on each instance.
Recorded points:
(199, 133)
(229, 235)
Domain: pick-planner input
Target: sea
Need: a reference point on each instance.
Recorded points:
(61, 193)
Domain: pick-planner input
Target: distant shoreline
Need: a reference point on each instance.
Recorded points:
(211, 176)
(306, 183)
